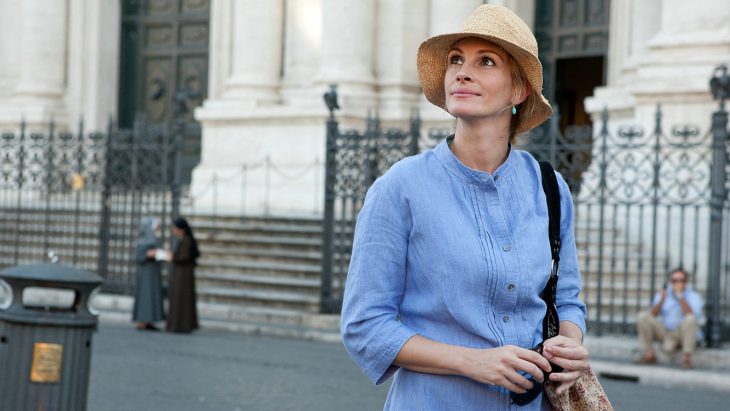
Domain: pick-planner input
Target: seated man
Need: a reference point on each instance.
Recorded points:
(672, 320)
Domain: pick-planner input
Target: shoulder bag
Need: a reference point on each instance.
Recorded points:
(586, 394)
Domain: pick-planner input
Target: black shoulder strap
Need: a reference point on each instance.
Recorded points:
(551, 322)
(552, 194)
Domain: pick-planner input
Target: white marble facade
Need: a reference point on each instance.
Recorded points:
(663, 51)
(270, 61)
(60, 60)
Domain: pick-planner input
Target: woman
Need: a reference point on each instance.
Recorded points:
(148, 292)
(445, 275)
(183, 314)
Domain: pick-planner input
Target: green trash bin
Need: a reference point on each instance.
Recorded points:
(45, 351)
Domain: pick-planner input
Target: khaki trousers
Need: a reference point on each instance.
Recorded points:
(651, 329)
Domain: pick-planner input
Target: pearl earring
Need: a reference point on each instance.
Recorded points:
(514, 110)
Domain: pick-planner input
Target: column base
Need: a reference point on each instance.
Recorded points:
(259, 161)
(36, 113)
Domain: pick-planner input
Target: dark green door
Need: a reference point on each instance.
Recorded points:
(164, 51)
(572, 38)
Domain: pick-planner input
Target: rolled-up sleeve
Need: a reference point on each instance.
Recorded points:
(570, 307)
(370, 326)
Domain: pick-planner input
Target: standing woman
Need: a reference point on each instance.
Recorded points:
(183, 314)
(148, 291)
(451, 247)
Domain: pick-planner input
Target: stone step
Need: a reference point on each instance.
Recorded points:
(224, 237)
(261, 228)
(258, 282)
(204, 219)
(234, 252)
(259, 267)
(302, 302)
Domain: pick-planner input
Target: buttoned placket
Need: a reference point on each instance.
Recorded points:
(506, 296)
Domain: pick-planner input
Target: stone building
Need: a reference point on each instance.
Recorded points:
(256, 71)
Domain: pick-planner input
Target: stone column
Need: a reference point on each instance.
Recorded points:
(523, 8)
(9, 26)
(302, 52)
(448, 15)
(42, 42)
(256, 52)
(93, 62)
(347, 52)
(401, 26)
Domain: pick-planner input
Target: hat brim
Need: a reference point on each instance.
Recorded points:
(432, 64)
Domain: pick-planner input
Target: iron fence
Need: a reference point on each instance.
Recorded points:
(77, 197)
(647, 199)
(353, 161)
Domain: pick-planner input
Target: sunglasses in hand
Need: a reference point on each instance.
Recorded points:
(530, 395)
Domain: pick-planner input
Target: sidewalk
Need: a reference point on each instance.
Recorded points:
(611, 356)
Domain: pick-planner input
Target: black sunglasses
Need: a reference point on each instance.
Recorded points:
(530, 395)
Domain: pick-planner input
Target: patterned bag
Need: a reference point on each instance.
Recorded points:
(586, 394)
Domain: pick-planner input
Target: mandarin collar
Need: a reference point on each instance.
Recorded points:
(480, 178)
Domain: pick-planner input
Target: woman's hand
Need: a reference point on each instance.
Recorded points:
(151, 253)
(502, 366)
(569, 354)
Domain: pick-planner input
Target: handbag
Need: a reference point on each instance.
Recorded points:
(586, 394)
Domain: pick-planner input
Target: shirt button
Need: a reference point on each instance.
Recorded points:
(511, 287)
(506, 247)
(496, 177)
(505, 318)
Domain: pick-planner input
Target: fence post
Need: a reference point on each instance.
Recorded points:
(180, 111)
(415, 133)
(656, 173)
(20, 180)
(720, 86)
(49, 187)
(603, 165)
(326, 303)
(103, 260)
(553, 131)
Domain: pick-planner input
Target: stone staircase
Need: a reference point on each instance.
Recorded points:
(262, 274)
(259, 262)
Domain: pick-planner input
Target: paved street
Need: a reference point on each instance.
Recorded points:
(218, 370)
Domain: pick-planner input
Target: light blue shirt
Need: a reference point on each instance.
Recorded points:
(458, 256)
(671, 312)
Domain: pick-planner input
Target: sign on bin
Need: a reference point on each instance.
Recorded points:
(47, 361)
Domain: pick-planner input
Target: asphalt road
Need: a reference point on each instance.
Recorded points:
(218, 370)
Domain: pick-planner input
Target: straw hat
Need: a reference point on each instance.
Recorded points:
(501, 26)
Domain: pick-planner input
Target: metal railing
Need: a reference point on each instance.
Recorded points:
(78, 197)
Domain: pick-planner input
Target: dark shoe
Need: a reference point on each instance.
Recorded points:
(151, 327)
(646, 360)
(687, 361)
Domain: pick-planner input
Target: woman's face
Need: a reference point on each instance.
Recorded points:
(177, 232)
(478, 81)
